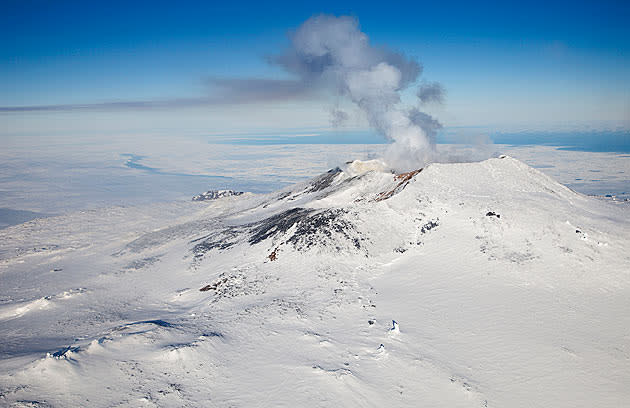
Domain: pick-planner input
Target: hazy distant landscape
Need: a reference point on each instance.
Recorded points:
(90, 176)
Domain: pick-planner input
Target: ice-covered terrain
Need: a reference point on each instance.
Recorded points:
(507, 289)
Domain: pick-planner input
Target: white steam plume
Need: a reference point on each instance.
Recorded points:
(329, 51)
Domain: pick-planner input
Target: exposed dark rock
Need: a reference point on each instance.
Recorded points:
(311, 228)
(324, 181)
(212, 334)
(61, 353)
(215, 194)
(273, 256)
(429, 226)
(319, 183)
(235, 284)
(142, 263)
(403, 179)
(213, 286)
(492, 214)
(222, 240)
(276, 224)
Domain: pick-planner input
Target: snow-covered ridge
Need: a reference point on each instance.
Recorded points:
(505, 289)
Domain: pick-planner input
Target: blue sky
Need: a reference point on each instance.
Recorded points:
(519, 65)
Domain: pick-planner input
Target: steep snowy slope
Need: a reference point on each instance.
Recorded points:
(507, 289)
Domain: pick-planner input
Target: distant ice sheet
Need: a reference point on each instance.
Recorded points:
(61, 177)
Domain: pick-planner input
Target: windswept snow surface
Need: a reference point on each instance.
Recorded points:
(463, 285)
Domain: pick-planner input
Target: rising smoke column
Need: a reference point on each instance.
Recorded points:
(332, 52)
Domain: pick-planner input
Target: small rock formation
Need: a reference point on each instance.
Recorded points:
(215, 194)
(403, 179)
(395, 328)
(273, 256)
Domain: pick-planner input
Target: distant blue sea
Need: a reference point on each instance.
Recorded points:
(589, 141)
(617, 141)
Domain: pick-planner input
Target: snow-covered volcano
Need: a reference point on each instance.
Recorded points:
(507, 289)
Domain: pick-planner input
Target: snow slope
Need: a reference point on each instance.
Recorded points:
(507, 289)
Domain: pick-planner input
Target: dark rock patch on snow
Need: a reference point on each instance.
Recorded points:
(216, 194)
(324, 181)
(429, 226)
(221, 240)
(320, 228)
(279, 223)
